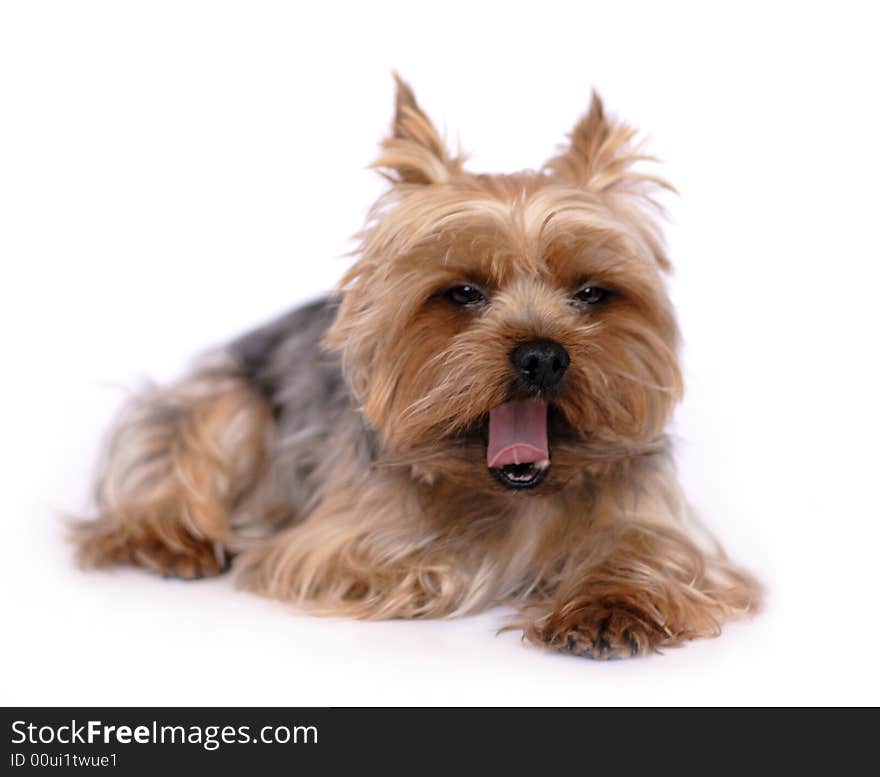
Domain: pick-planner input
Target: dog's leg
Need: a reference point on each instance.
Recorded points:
(177, 464)
(367, 551)
(640, 582)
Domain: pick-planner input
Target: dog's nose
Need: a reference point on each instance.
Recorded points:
(541, 364)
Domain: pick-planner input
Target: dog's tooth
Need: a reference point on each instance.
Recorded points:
(542, 464)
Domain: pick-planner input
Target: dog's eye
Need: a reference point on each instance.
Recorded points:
(465, 295)
(591, 295)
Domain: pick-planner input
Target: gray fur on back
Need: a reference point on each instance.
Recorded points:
(316, 419)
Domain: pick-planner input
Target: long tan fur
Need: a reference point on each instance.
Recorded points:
(377, 503)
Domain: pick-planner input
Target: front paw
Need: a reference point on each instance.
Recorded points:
(601, 630)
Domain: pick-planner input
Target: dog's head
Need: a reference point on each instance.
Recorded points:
(505, 331)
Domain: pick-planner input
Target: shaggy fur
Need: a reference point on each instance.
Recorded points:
(339, 454)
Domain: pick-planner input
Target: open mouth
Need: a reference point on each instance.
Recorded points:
(521, 475)
(518, 452)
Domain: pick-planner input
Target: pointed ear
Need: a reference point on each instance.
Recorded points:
(601, 155)
(414, 152)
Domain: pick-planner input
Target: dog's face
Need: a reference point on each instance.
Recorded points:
(508, 332)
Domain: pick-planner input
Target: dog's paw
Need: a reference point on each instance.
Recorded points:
(197, 560)
(602, 630)
(186, 557)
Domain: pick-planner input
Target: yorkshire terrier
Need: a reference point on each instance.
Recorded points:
(476, 417)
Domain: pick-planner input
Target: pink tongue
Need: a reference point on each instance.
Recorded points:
(517, 433)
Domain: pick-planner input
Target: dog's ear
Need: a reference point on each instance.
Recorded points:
(414, 153)
(602, 155)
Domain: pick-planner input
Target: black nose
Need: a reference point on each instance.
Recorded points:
(541, 364)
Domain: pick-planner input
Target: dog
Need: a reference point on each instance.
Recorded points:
(475, 417)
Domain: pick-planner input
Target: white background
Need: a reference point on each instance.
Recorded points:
(174, 172)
